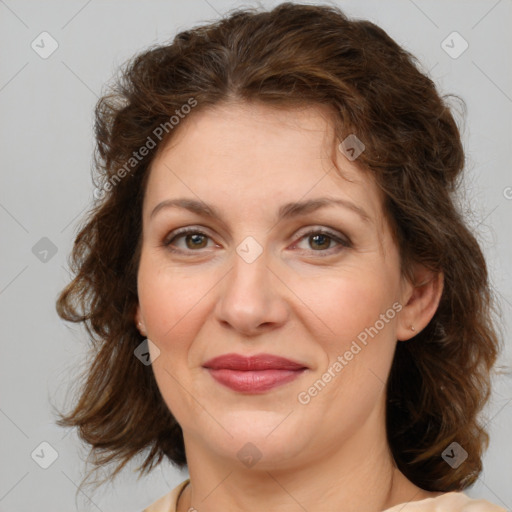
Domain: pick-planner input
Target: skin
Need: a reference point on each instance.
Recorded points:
(303, 298)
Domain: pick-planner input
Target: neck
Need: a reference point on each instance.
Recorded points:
(360, 475)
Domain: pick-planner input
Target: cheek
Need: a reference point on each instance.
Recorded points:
(357, 314)
(171, 301)
(173, 307)
(357, 342)
(347, 304)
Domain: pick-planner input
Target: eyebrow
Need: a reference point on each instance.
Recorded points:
(286, 211)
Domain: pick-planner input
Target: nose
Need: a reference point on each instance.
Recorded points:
(252, 298)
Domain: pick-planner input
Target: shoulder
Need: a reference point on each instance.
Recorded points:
(448, 502)
(168, 502)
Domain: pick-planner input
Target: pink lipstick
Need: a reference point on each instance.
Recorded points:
(253, 374)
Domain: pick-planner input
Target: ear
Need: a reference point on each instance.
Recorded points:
(139, 322)
(420, 301)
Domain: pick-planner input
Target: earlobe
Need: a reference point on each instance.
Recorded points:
(422, 300)
(139, 322)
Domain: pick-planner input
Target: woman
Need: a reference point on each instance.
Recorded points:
(283, 296)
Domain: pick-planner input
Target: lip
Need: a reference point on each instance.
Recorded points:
(252, 363)
(253, 374)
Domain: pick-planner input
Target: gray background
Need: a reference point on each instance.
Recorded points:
(46, 144)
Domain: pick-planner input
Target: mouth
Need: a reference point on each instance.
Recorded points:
(254, 374)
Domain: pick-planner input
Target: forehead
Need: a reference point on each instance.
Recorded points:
(255, 156)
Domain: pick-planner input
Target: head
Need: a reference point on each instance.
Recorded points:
(381, 292)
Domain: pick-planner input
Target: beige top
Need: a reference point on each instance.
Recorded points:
(448, 502)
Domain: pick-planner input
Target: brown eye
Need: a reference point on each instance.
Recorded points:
(196, 241)
(321, 241)
(193, 241)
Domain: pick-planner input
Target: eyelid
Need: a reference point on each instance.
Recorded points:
(170, 237)
(339, 238)
(309, 230)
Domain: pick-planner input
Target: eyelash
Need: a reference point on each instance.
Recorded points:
(187, 231)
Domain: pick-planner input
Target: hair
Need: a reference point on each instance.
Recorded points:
(292, 56)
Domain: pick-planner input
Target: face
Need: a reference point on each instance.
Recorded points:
(318, 285)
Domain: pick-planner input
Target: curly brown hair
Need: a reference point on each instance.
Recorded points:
(293, 55)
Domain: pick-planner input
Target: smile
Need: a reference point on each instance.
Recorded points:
(254, 381)
(253, 374)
